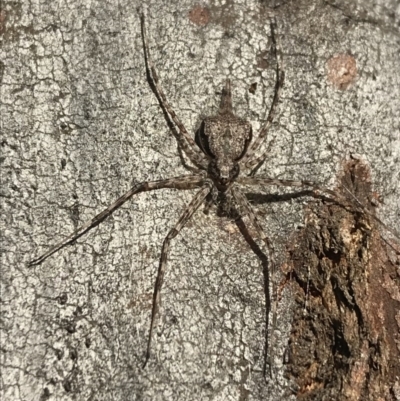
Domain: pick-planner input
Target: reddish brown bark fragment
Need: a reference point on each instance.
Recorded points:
(342, 71)
(345, 338)
(199, 15)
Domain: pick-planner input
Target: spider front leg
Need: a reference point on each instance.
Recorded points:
(187, 143)
(187, 214)
(258, 161)
(184, 182)
(249, 161)
(246, 209)
(317, 189)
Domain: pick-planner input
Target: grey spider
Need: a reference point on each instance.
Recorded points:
(224, 150)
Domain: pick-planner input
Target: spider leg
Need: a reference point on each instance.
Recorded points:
(249, 160)
(187, 143)
(184, 182)
(258, 161)
(317, 189)
(246, 209)
(186, 215)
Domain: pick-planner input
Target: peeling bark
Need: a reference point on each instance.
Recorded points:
(345, 339)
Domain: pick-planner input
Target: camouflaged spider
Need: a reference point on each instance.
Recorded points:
(226, 149)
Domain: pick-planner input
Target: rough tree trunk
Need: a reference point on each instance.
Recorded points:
(345, 338)
(80, 125)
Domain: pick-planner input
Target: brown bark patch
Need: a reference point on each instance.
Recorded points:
(262, 60)
(342, 71)
(345, 336)
(199, 15)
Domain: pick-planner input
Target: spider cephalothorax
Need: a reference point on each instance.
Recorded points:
(224, 138)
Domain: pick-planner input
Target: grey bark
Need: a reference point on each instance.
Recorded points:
(80, 125)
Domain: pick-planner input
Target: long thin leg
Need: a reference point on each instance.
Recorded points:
(184, 182)
(258, 161)
(284, 183)
(249, 161)
(317, 189)
(186, 215)
(185, 140)
(246, 209)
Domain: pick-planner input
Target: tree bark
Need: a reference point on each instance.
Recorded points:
(344, 342)
(80, 126)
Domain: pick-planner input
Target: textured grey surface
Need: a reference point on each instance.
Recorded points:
(80, 125)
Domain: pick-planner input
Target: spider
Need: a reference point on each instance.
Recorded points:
(224, 150)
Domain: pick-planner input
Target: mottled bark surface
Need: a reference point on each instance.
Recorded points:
(80, 126)
(345, 340)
